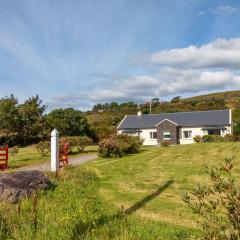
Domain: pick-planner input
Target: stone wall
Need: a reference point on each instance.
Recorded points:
(167, 126)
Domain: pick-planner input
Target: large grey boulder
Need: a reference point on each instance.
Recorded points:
(18, 185)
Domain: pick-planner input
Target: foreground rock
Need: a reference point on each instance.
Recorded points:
(18, 185)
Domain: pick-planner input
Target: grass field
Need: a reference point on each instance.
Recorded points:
(168, 172)
(29, 155)
(134, 197)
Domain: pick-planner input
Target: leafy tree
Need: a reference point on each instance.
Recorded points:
(113, 105)
(32, 121)
(8, 114)
(9, 117)
(236, 129)
(176, 99)
(97, 107)
(69, 122)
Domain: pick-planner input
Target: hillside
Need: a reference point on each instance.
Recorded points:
(231, 98)
(229, 95)
(104, 118)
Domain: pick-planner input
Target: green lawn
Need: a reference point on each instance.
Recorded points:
(88, 201)
(29, 155)
(168, 172)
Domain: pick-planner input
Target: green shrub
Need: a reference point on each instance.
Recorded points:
(218, 204)
(165, 143)
(212, 138)
(218, 138)
(43, 148)
(229, 138)
(117, 146)
(109, 148)
(14, 151)
(80, 142)
(129, 144)
(197, 139)
(208, 138)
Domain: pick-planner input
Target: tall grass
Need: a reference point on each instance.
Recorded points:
(74, 209)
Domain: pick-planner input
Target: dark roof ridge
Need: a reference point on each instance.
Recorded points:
(191, 118)
(180, 112)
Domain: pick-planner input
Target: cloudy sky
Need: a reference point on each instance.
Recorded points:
(75, 53)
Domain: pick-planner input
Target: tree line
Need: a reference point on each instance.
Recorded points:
(28, 122)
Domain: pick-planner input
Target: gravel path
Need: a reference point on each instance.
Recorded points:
(74, 162)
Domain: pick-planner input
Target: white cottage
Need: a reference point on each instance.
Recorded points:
(177, 128)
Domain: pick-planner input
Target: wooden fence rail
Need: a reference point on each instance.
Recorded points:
(4, 158)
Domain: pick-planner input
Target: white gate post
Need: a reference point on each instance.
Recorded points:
(54, 150)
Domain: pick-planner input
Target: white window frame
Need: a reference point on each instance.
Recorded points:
(151, 135)
(189, 134)
(166, 133)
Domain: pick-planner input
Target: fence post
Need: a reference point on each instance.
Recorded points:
(54, 150)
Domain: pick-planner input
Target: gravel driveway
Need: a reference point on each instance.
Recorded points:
(74, 162)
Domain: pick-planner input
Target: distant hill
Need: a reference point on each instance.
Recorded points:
(231, 98)
(227, 94)
(104, 118)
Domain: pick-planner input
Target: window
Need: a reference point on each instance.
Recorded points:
(166, 135)
(214, 132)
(187, 134)
(153, 135)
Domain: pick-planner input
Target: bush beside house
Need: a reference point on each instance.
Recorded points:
(118, 146)
(164, 143)
(214, 138)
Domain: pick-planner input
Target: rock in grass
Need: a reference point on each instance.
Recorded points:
(18, 185)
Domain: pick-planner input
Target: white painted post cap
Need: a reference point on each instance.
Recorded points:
(54, 133)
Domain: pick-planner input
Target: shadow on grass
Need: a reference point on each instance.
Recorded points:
(148, 198)
(81, 228)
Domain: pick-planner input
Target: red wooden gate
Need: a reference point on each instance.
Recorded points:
(63, 154)
(4, 158)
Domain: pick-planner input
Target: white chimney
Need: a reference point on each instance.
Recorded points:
(139, 113)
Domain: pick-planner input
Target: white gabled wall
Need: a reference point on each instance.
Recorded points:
(199, 131)
(145, 135)
(195, 131)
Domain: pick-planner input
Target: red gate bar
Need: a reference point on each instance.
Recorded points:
(4, 158)
(63, 154)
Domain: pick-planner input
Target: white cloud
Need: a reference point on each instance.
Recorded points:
(223, 10)
(221, 53)
(168, 82)
(184, 71)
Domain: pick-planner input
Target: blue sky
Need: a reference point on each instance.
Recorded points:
(76, 53)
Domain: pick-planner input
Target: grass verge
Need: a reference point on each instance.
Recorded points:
(29, 156)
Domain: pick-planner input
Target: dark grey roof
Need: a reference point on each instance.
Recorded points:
(198, 118)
